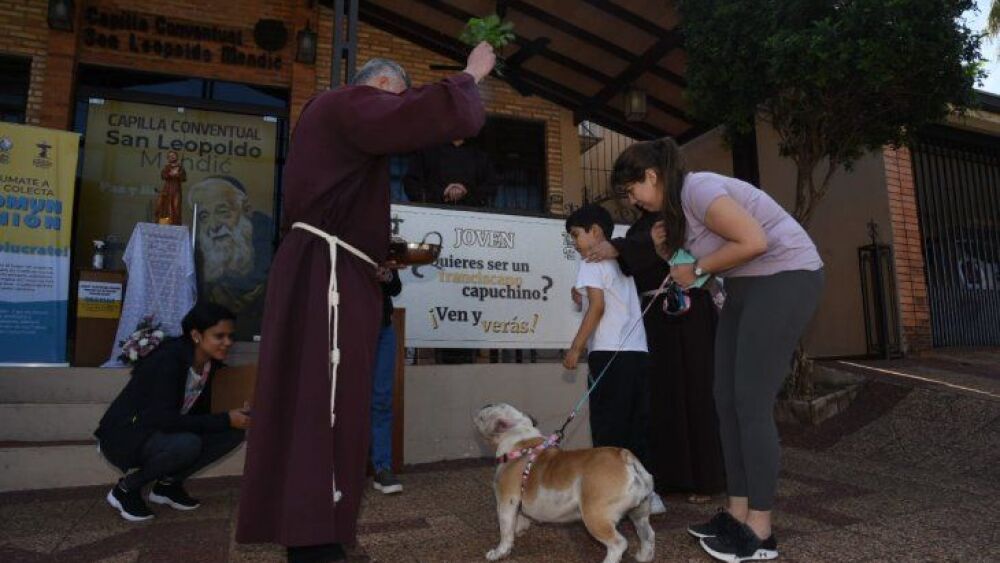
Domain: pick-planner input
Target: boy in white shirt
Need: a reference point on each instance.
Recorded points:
(619, 405)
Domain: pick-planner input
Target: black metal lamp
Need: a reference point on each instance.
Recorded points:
(635, 104)
(305, 41)
(61, 15)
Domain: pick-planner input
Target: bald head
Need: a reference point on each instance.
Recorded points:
(383, 74)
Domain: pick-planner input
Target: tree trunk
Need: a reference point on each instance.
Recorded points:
(800, 383)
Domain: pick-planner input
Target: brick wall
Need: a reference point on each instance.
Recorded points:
(227, 15)
(914, 308)
(24, 33)
(55, 56)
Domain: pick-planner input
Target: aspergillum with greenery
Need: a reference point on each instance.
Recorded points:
(492, 30)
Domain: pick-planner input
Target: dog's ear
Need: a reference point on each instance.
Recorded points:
(534, 421)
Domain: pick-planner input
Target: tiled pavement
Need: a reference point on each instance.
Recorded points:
(906, 474)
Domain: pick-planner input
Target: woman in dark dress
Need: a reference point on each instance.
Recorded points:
(684, 448)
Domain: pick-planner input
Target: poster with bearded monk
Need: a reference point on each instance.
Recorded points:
(233, 247)
(229, 163)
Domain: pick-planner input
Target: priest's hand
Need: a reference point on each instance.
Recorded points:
(481, 61)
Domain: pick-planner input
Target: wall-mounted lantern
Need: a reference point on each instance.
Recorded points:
(305, 42)
(61, 15)
(635, 104)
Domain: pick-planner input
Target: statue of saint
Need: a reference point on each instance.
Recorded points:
(168, 203)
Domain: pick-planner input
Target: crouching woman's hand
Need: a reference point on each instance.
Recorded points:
(239, 419)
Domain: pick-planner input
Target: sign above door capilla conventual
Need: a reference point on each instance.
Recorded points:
(171, 38)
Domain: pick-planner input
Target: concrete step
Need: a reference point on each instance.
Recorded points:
(47, 466)
(49, 422)
(61, 385)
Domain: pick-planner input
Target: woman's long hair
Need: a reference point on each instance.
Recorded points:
(664, 156)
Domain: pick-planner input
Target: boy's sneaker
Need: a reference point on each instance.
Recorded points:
(129, 504)
(386, 482)
(656, 505)
(173, 495)
(741, 544)
(720, 524)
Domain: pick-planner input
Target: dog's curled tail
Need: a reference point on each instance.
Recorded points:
(642, 481)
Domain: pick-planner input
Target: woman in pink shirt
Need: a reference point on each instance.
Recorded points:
(773, 277)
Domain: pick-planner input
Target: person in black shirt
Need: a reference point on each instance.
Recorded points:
(382, 383)
(685, 448)
(160, 427)
(452, 173)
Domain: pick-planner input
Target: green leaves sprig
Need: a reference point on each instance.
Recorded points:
(490, 29)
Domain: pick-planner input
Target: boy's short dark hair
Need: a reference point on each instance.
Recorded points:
(589, 215)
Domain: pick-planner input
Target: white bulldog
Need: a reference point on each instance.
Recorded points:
(597, 485)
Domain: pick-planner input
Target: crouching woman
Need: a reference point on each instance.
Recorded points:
(160, 429)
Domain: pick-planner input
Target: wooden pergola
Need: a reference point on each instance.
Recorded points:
(585, 55)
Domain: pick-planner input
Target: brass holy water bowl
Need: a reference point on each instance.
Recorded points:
(415, 253)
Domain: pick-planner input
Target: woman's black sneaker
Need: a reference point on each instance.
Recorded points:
(129, 504)
(741, 544)
(719, 525)
(173, 495)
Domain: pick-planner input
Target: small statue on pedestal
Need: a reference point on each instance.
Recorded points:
(168, 203)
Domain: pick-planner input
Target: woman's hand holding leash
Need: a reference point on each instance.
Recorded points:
(683, 274)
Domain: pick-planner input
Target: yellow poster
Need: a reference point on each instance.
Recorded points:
(37, 177)
(99, 300)
(228, 163)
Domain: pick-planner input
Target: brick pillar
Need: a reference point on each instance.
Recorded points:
(911, 285)
(304, 75)
(58, 76)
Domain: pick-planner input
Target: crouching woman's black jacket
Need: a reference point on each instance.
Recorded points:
(151, 402)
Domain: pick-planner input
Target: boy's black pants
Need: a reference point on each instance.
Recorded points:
(619, 405)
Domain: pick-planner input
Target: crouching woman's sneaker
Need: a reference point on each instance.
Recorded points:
(741, 544)
(129, 503)
(172, 495)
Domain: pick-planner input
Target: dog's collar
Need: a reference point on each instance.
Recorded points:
(531, 451)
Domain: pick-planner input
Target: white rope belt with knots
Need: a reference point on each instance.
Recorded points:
(333, 304)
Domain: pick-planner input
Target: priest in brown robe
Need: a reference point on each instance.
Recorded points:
(306, 460)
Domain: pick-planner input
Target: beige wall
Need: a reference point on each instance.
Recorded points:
(708, 153)
(839, 227)
(442, 399)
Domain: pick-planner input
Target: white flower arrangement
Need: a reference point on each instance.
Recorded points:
(146, 337)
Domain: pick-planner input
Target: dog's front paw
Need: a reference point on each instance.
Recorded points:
(645, 554)
(496, 553)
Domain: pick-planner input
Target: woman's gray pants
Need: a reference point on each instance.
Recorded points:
(759, 328)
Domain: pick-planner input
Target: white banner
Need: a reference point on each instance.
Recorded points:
(502, 281)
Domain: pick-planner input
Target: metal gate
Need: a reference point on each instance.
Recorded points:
(957, 177)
